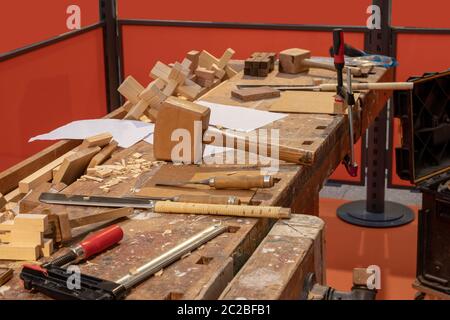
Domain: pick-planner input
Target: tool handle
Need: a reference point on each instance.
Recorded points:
(338, 47)
(243, 182)
(231, 200)
(102, 240)
(222, 210)
(372, 86)
(327, 66)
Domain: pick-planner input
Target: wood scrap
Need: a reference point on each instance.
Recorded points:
(103, 155)
(75, 165)
(253, 94)
(99, 140)
(44, 174)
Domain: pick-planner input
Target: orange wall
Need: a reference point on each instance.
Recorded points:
(26, 22)
(348, 12)
(48, 88)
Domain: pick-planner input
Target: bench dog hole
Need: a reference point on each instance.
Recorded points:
(233, 229)
(174, 296)
(204, 260)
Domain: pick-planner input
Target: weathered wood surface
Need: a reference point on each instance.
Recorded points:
(146, 236)
(276, 270)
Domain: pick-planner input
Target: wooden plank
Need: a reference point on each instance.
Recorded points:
(103, 155)
(279, 266)
(43, 175)
(11, 252)
(99, 140)
(75, 165)
(254, 94)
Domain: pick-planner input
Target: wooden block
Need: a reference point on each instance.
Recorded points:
(103, 155)
(160, 70)
(225, 58)
(130, 89)
(190, 90)
(137, 110)
(154, 88)
(230, 72)
(65, 229)
(127, 106)
(219, 73)
(14, 195)
(179, 114)
(44, 174)
(99, 140)
(170, 88)
(13, 252)
(46, 249)
(204, 73)
(25, 237)
(31, 222)
(7, 225)
(252, 94)
(193, 56)
(186, 63)
(205, 82)
(74, 166)
(178, 73)
(291, 60)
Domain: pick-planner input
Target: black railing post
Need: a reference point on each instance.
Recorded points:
(108, 14)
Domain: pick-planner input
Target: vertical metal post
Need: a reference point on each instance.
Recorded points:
(378, 41)
(108, 14)
(375, 211)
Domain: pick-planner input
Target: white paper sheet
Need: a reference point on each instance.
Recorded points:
(125, 132)
(239, 118)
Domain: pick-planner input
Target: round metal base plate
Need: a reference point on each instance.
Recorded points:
(394, 215)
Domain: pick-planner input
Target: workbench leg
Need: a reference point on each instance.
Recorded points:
(312, 206)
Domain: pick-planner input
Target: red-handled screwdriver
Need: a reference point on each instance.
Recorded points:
(91, 245)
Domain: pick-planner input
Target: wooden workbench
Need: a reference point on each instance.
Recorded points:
(253, 260)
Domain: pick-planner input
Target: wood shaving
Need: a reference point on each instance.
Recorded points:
(137, 155)
(92, 178)
(159, 273)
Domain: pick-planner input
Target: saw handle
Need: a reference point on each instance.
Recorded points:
(206, 199)
(102, 240)
(243, 182)
(222, 210)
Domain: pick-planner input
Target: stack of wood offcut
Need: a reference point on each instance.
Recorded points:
(198, 73)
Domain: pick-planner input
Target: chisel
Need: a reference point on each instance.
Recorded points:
(170, 206)
(133, 202)
(329, 87)
(231, 182)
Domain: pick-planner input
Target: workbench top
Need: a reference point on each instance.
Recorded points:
(205, 273)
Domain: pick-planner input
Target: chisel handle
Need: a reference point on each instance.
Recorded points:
(222, 210)
(372, 86)
(242, 182)
(230, 200)
(328, 66)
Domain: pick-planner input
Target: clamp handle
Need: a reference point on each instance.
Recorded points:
(102, 240)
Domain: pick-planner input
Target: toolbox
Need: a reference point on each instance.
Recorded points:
(424, 160)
